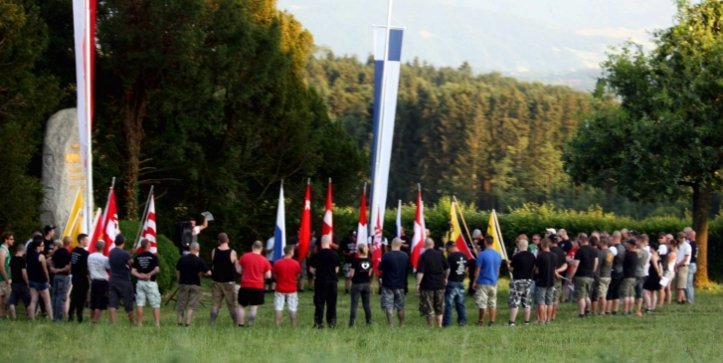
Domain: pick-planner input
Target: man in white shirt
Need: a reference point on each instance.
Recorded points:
(98, 267)
(682, 259)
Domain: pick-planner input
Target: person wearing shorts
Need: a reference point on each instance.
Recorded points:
(627, 286)
(120, 288)
(19, 290)
(188, 276)
(545, 275)
(432, 273)
(98, 267)
(287, 272)
(223, 288)
(394, 267)
(587, 262)
(488, 271)
(254, 269)
(145, 268)
(522, 266)
(38, 278)
(561, 258)
(682, 260)
(5, 278)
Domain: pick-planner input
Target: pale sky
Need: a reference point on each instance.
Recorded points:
(518, 37)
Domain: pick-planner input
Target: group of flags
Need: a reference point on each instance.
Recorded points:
(106, 226)
(376, 240)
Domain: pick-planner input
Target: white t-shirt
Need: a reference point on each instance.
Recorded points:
(684, 250)
(613, 250)
(98, 266)
(663, 250)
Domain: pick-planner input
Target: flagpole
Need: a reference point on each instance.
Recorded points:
(145, 217)
(88, 116)
(464, 223)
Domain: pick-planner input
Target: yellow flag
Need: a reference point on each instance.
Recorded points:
(456, 233)
(493, 230)
(74, 225)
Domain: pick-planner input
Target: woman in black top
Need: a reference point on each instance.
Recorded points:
(38, 279)
(652, 283)
(361, 272)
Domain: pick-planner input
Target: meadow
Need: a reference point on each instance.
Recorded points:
(672, 334)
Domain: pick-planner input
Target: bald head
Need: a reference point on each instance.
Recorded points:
(429, 243)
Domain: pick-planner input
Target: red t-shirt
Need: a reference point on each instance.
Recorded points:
(286, 270)
(253, 268)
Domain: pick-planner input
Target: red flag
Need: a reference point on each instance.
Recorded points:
(97, 231)
(305, 229)
(377, 244)
(362, 231)
(110, 225)
(419, 231)
(149, 227)
(456, 232)
(327, 228)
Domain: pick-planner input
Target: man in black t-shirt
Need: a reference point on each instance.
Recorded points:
(349, 250)
(432, 272)
(546, 273)
(561, 259)
(394, 268)
(521, 265)
(60, 268)
(325, 267)
(454, 292)
(120, 288)
(80, 279)
(587, 262)
(145, 269)
(188, 271)
(361, 274)
(19, 290)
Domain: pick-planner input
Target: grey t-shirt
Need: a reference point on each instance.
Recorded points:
(605, 262)
(640, 270)
(119, 269)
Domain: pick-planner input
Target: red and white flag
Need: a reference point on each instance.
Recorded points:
(107, 227)
(419, 231)
(305, 228)
(149, 227)
(327, 228)
(377, 245)
(362, 228)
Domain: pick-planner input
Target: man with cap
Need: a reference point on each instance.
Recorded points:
(120, 287)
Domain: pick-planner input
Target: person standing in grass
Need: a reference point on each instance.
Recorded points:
(325, 267)
(19, 289)
(432, 272)
(485, 282)
(546, 272)
(584, 271)
(254, 269)
(38, 278)
(652, 283)
(223, 288)
(605, 264)
(394, 267)
(120, 288)
(98, 267)
(627, 286)
(681, 266)
(692, 265)
(80, 281)
(616, 276)
(641, 271)
(561, 258)
(361, 274)
(286, 271)
(60, 268)
(522, 266)
(188, 271)
(5, 281)
(454, 292)
(664, 250)
(145, 269)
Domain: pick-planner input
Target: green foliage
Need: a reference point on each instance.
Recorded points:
(27, 96)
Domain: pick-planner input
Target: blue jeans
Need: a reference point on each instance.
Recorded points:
(689, 290)
(454, 294)
(61, 285)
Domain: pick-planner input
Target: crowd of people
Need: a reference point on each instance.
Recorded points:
(622, 272)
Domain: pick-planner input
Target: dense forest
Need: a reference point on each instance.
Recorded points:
(216, 102)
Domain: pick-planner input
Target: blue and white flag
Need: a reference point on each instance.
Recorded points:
(280, 231)
(386, 86)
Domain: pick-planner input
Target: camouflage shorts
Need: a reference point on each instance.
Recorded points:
(431, 302)
(520, 294)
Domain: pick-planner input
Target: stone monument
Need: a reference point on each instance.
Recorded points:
(62, 173)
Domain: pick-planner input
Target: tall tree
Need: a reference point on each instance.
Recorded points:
(28, 94)
(665, 138)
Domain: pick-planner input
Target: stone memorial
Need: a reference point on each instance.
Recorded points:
(62, 173)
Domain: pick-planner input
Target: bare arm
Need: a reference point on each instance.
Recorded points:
(3, 257)
(44, 266)
(420, 276)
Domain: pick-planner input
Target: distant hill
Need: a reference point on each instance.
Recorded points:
(557, 41)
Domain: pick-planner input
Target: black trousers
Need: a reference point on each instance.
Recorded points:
(363, 291)
(325, 294)
(78, 296)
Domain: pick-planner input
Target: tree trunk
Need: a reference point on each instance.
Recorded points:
(702, 194)
(134, 111)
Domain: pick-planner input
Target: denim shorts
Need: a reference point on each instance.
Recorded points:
(40, 286)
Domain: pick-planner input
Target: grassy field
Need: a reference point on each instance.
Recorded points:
(673, 334)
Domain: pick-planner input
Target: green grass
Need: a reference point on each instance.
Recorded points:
(673, 334)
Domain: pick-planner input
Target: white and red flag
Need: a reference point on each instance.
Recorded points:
(420, 231)
(362, 227)
(149, 231)
(107, 227)
(327, 228)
